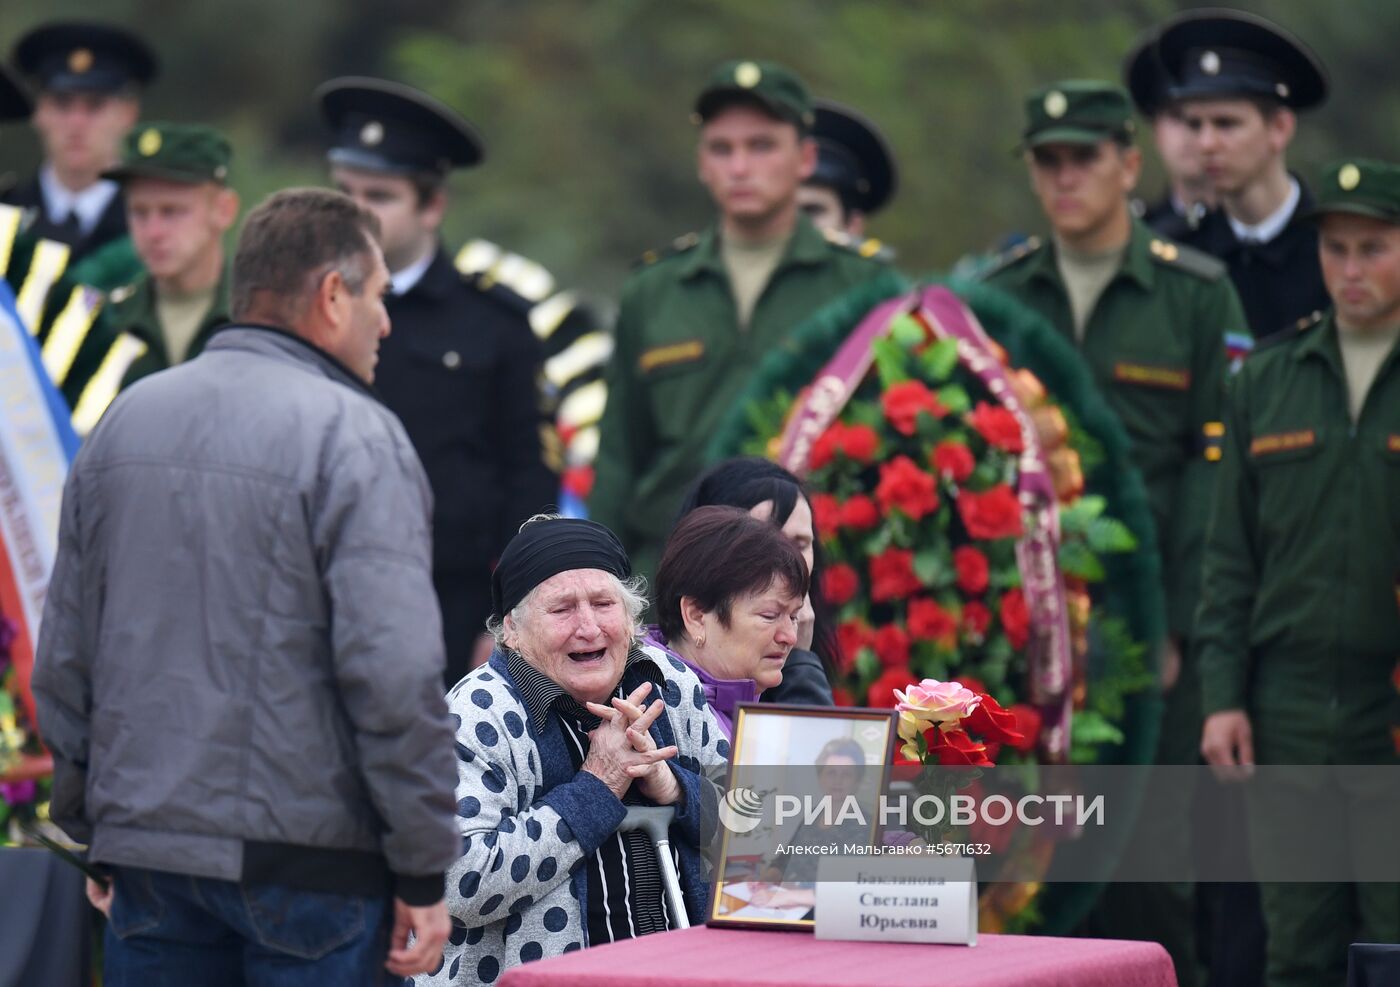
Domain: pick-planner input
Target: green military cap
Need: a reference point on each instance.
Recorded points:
(176, 152)
(1077, 111)
(774, 87)
(1360, 186)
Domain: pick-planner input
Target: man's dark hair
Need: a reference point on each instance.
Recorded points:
(715, 556)
(291, 241)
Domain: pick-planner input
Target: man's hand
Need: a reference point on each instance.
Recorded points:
(1227, 743)
(100, 895)
(429, 925)
(1171, 663)
(614, 756)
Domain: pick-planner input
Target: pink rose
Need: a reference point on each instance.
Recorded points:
(933, 703)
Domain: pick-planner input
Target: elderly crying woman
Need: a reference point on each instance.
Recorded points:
(563, 729)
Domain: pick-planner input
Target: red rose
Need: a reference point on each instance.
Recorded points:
(904, 485)
(839, 583)
(930, 622)
(852, 635)
(903, 402)
(955, 748)
(976, 618)
(998, 426)
(953, 460)
(860, 442)
(1028, 721)
(1015, 618)
(578, 480)
(859, 513)
(824, 449)
(881, 691)
(826, 514)
(972, 684)
(972, 569)
(892, 575)
(840, 697)
(892, 645)
(992, 723)
(991, 515)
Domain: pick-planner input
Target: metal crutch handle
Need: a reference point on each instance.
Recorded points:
(656, 820)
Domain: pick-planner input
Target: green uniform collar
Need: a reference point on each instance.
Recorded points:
(806, 246)
(136, 314)
(1138, 265)
(1322, 343)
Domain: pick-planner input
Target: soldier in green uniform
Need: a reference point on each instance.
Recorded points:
(1298, 626)
(1150, 318)
(179, 206)
(694, 322)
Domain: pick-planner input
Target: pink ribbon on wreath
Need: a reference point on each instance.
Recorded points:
(1050, 652)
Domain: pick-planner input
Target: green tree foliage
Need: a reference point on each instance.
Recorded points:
(586, 106)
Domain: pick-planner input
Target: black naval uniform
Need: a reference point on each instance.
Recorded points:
(460, 368)
(111, 225)
(1279, 281)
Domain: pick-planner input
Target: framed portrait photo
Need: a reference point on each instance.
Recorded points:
(802, 781)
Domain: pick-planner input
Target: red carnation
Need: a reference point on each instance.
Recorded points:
(892, 575)
(840, 583)
(976, 618)
(1015, 618)
(992, 723)
(824, 449)
(1028, 720)
(852, 635)
(826, 514)
(892, 646)
(998, 426)
(972, 569)
(881, 691)
(859, 513)
(953, 460)
(860, 442)
(841, 697)
(930, 622)
(903, 402)
(904, 485)
(955, 748)
(990, 515)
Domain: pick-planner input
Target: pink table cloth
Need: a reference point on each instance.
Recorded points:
(711, 957)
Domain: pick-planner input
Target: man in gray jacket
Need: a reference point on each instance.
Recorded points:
(240, 663)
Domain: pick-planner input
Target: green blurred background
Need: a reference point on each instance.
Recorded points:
(585, 106)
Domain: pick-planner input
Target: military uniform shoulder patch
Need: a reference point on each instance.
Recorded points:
(868, 247)
(1010, 257)
(1290, 334)
(679, 245)
(1188, 259)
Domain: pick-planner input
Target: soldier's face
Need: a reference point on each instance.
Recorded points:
(1237, 141)
(1082, 187)
(1177, 145)
(1361, 267)
(752, 164)
(82, 132)
(822, 205)
(176, 226)
(408, 227)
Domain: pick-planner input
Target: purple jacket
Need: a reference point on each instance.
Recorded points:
(723, 695)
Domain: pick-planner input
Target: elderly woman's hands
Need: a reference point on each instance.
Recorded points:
(620, 750)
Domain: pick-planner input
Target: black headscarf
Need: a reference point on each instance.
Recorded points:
(548, 547)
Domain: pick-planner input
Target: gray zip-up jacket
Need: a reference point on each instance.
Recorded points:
(240, 662)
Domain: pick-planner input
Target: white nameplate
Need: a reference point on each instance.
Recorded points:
(894, 901)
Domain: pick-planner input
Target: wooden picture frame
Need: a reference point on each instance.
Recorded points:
(782, 735)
